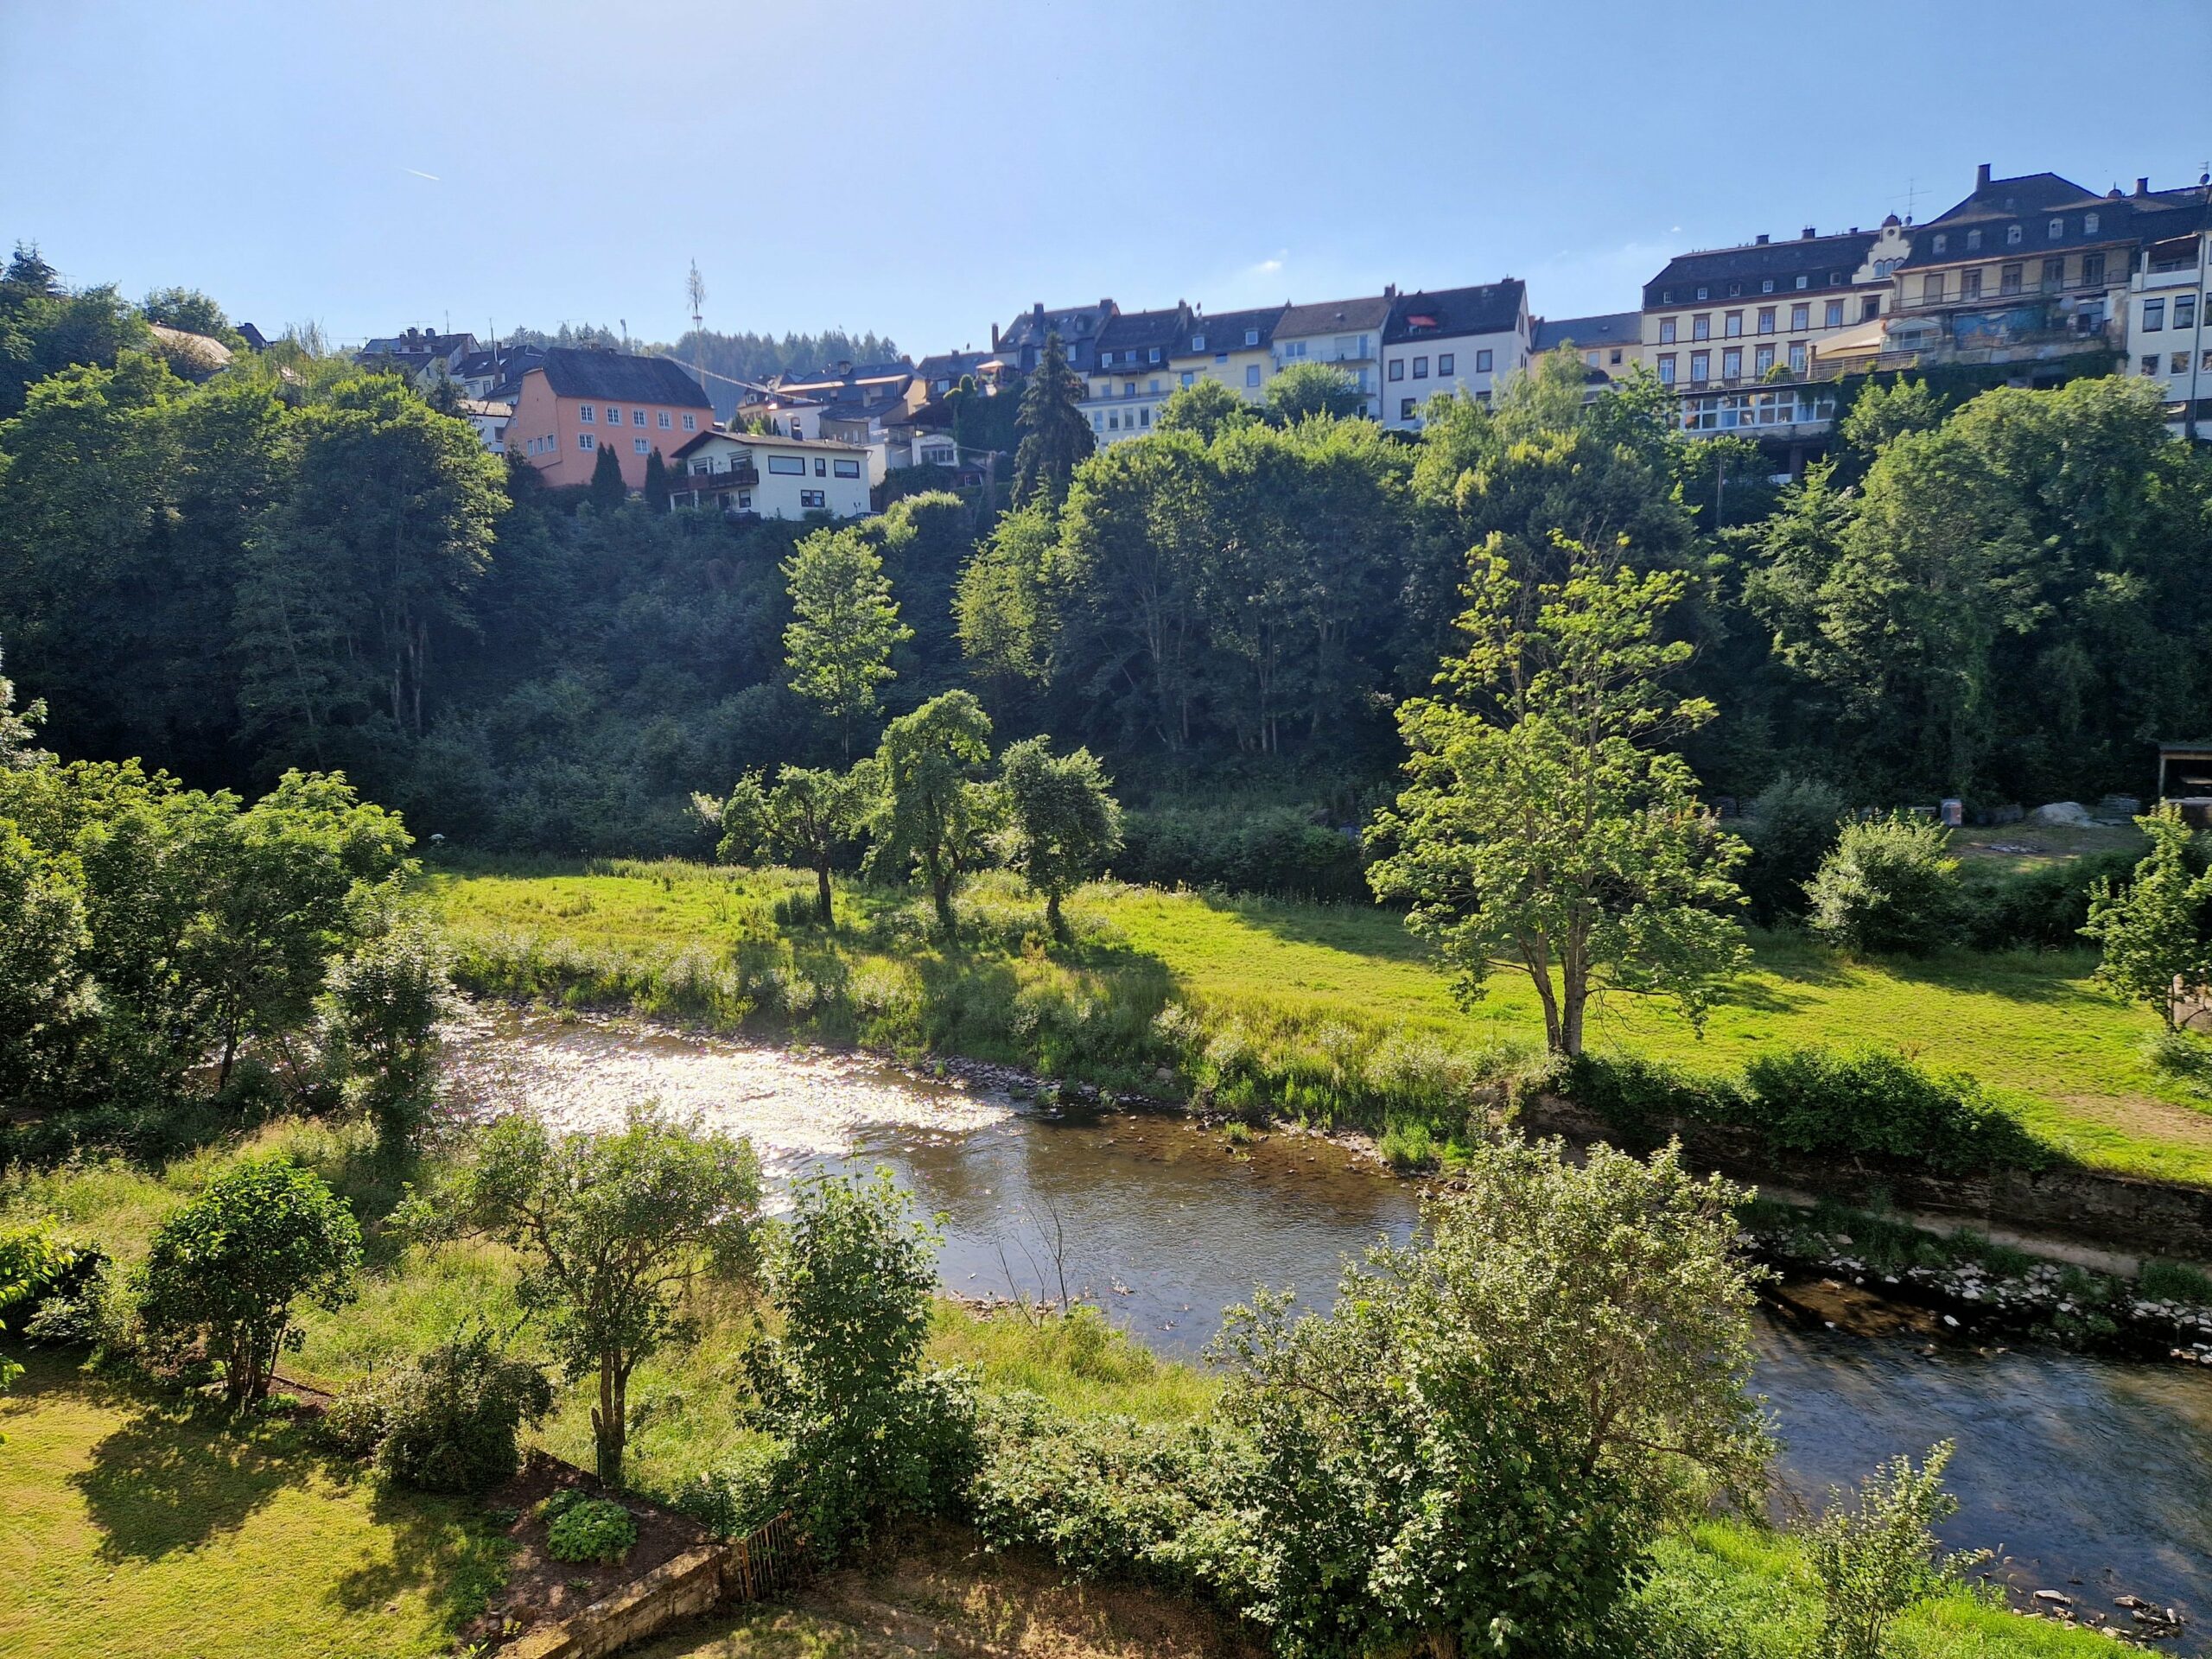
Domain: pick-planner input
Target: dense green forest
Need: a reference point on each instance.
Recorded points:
(296, 563)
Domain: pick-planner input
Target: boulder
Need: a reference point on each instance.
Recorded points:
(2060, 812)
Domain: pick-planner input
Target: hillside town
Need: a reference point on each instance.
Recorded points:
(2035, 273)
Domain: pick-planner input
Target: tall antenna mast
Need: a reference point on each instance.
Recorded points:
(695, 289)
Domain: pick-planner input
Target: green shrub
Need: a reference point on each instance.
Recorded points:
(1888, 885)
(1635, 1095)
(2172, 1281)
(451, 1420)
(1274, 850)
(1793, 824)
(1869, 1101)
(355, 1424)
(748, 1490)
(591, 1529)
(2185, 1057)
(1876, 1560)
(2039, 909)
(40, 1264)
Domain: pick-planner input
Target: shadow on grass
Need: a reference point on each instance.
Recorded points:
(172, 1477)
(441, 1546)
(1358, 930)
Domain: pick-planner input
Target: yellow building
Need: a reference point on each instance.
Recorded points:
(1236, 348)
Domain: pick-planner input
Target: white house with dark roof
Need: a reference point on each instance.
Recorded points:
(771, 477)
(1345, 333)
(1136, 373)
(1463, 339)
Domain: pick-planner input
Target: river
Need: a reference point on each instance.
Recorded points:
(2089, 1476)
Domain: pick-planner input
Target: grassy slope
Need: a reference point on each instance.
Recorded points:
(2031, 1026)
(136, 1530)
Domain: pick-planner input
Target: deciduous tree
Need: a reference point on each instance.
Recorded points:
(2157, 931)
(1542, 827)
(844, 625)
(807, 819)
(933, 816)
(1063, 822)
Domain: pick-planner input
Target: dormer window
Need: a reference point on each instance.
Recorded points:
(1197, 342)
(1106, 359)
(1734, 289)
(1942, 242)
(2088, 224)
(1804, 282)
(1704, 293)
(1666, 296)
(1251, 336)
(2012, 235)
(1973, 240)
(2057, 229)
(1156, 354)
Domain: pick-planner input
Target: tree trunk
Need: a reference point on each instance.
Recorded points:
(822, 895)
(1052, 914)
(1578, 994)
(609, 1425)
(941, 896)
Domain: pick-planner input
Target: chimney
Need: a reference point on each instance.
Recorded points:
(995, 338)
(1390, 290)
(1037, 311)
(2142, 185)
(1982, 176)
(1806, 234)
(1762, 240)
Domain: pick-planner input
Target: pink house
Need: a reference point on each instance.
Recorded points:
(578, 403)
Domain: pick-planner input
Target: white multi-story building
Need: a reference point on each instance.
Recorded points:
(773, 477)
(2170, 318)
(1343, 334)
(1462, 340)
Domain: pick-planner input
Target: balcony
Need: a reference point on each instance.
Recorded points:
(742, 476)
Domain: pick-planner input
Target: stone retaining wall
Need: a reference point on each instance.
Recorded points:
(689, 1583)
(2123, 1211)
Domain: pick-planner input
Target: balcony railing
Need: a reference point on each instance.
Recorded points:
(743, 476)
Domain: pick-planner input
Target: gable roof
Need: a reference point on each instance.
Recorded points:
(1076, 322)
(1823, 260)
(1333, 316)
(769, 440)
(572, 373)
(2034, 202)
(1489, 308)
(1140, 331)
(1607, 328)
(1226, 331)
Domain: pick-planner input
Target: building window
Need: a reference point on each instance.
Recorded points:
(1869, 307)
(2093, 267)
(1153, 385)
(1482, 361)
(588, 414)
(636, 417)
(1114, 420)
(1732, 363)
(1251, 374)
(2150, 363)
(2008, 279)
(1700, 366)
(1405, 409)
(1097, 422)
(1105, 360)
(1767, 287)
(2012, 235)
(662, 421)
(1800, 318)
(1766, 320)
(1666, 331)
(2178, 364)
(1397, 368)
(638, 446)
(613, 415)
(1154, 358)
(1931, 288)
(1762, 359)
(821, 468)
(1443, 360)
(2088, 224)
(1973, 241)
(1832, 314)
(2185, 311)
(1129, 388)
(1144, 417)
(1705, 293)
(1188, 378)
(2054, 274)
(2057, 229)
(585, 441)
(813, 501)
(789, 466)
(1733, 325)
(1942, 242)
(1251, 336)
(847, 469)
(1701, 326)
(690, 422)
(1615, 359)
(2154, 315)
(1420, 368)
(1735, 289)
(1969, 284)
(1666, 368)
(1197, 342)
(745, 500)
(1804, 282)
(1797, 356)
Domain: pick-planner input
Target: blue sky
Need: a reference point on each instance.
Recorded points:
(923, 169)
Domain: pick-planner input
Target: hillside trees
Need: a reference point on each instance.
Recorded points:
(1543, 827)
(844, 625)
(1055, 434)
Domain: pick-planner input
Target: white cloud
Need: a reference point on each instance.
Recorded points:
(420, 174)
(1269, 266)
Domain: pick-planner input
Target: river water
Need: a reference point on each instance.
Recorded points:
(2089, 1476)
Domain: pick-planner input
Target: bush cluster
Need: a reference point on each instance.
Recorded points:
(1274, 850)
(1888, 885)
(584, 1528)
(447, 1422)
(1863, 1103)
